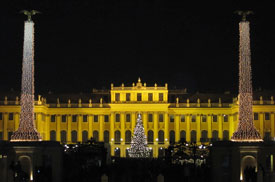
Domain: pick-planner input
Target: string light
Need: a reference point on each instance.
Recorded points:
(27, 130)
(246, 131)
(139, 148)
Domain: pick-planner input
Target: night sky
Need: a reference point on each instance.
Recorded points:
(81, 45)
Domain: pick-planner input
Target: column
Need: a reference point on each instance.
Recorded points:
(90, 126)
(177, 128)
(155, 119)
(16, 121)
(231, 125)
(122, 130)
(79, 128)
(112, 127)
(220, 126)
(58, 137)
(39, 123)
(5, 128)
(48, 128)
(166, 128)
(69, 130)
(261, 120)
(145, 121)
(101, 127)
(272, 124)
(188, 128)
(198, 122)
(209, 127)
(133, 121)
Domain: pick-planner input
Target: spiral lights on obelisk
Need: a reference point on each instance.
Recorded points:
(246, 131)
(27, 130)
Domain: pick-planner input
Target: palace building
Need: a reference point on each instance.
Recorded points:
(110, 116)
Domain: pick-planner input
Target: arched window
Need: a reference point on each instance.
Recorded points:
(52, 135)
(95, 135)
(215, 135)
(193, 136)
(172, 136)
(117, 152)
(128, 137)
(161, 136)
(182, 136)
(117, 136)
(63, 134)
(106, 136)
(204, 136)
(74, 136)
(150, 136)
(225, 135)
(84, 136)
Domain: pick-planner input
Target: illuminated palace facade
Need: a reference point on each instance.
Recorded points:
(110, 116)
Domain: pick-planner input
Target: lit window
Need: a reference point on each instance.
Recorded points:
(225, 118)
(172, 118)
(182, 118)
(193, 118)
(203, 118)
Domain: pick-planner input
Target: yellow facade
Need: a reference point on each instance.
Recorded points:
(114, 122)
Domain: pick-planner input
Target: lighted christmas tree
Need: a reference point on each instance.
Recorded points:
(246, 131)
(139, 148)
(27, 130)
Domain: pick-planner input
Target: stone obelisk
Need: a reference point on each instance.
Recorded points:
(246, 131)
(27, 130)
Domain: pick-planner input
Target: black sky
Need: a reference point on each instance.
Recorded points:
(81, 45)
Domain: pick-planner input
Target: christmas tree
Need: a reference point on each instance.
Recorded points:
(139, 148)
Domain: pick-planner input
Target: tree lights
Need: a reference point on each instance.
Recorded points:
(246, 132)
(139, 148)
(27, 130)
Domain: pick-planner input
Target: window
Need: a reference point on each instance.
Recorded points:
(160, 117)
(267, 116)
(52, 135)
(74, 118)
(215, 135)
(10, 116)
(63, 134)
(95, 118)
(52, 118)
(150, 117)
(117, 97)
(117, 117)
(84, 136)
(63, 118)
(172, 137)
(203, 118)
(150, 96)
(128, 97)
(1, 116)
(106, 118)
(161, 97)
(182, 136)
(85, 118)
(150, 137)
(225, 135)
(128, 117)
(74, 136)
(256, 116)
(128, 137)
(193, 118)
(161, 136)
(95, 135)
(139, 97)
(204, 137)
(225, 118)
(171, 118)
(106, 136)
(193, 136)
(182, 118)
(117, 137)
(215, 118)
